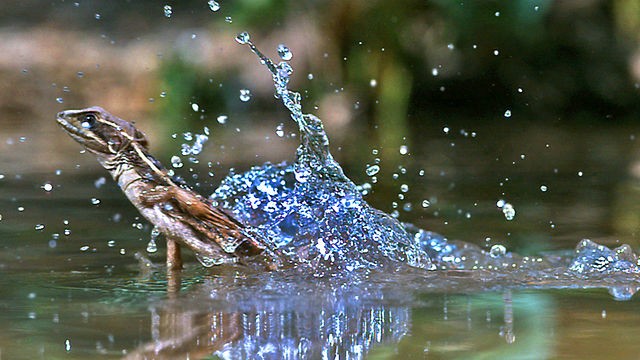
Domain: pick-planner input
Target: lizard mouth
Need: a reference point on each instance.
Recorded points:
(73, 131)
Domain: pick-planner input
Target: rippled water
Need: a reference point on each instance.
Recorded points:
(72, 287)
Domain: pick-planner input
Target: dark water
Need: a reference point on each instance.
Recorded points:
(84, 295)
(62, 302)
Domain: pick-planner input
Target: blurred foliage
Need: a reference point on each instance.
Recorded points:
(537, 58)
(184, 85)
(540, 59)
(567, 57)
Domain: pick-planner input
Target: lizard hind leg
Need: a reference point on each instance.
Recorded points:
(174, 258)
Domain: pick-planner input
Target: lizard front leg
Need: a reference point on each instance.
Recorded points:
(161, 194)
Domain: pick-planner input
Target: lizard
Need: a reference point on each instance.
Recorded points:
(184, 217)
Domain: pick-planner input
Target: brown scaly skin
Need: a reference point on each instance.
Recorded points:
(184, 217)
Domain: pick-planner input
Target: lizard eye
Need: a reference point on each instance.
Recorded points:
(89, 121)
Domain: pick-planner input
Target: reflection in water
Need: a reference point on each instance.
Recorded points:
(276, 318)
(273, 319)
(507, 330)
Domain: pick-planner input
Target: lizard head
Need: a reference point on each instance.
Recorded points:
(100, 132)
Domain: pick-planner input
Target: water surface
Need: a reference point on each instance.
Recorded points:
(84, 295)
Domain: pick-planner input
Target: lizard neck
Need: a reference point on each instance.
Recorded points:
(134, 166)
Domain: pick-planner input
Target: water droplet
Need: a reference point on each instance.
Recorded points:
(536, 8)
(213, 5)
(404, 188)
(67, 345)
(497, 13)
(580, 173)
(168, 11)
(284, 70)
(426, 203)
(205, 260)
(407, 207)
(222, 119)
(228, 19)
(151, 246)
(496, 52)
(163, 94)
(243, 38)
(99, 182)
(39, 227)
(245, 95)
(373, 82)
(284, 52)
(111, 243)
(95, 201)
(434, 72)
(446, 129)
(280, 130)
(310, 76)
(80, 74)
(507, 113)
(123, 251)
(497, 251)
(302, 174)
(372, 170)
(176, 162)
(97, 16)
(84, 248)
(543, 188)
(404, 149)
(47, 187)
(509, 211)
(451, 46)
(195, 107)
(59, 100)
(500, 203)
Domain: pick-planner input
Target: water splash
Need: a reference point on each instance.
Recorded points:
(199, 140)
(591, 257)
(314, 214)
(310, 210)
